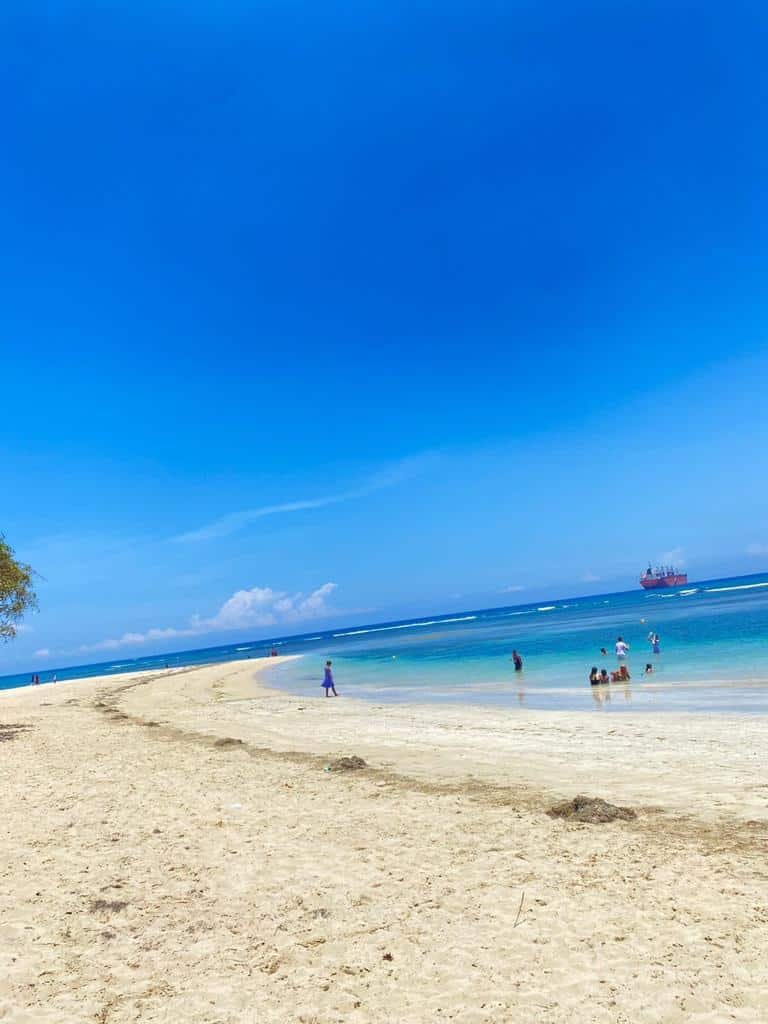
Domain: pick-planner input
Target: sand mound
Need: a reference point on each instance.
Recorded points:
(347, 764)
(592, 810)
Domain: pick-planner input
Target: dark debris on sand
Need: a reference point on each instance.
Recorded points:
(347, 764)
(10, 730)
(111, 906)
(591, 810)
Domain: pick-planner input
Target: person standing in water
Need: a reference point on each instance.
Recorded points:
(622, 648)
(328, 682)
(518, 661)
(653, 640)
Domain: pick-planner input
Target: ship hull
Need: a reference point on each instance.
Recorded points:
(660, 582)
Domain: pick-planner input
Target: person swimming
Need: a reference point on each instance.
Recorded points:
(648, 668)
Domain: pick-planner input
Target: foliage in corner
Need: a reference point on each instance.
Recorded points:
(17, 592)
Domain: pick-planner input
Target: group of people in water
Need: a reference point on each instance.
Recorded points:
(601, 677)
(597, 677)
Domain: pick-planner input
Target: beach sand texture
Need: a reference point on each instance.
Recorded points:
(173, 849)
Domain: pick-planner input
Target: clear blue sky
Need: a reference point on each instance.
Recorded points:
(426, 301)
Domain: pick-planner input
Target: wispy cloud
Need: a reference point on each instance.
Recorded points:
(42, 653)
(233, 522)
(236, 521)
(757, 549)
(245, 609)
(589, 577)
(514, 589)
(136, 639)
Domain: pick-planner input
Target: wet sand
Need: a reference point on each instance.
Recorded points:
(173, 849)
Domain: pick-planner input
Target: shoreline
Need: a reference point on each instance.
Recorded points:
(674, 759)
(50, 684)
(505, 687)
(175, 849)
(513, 693)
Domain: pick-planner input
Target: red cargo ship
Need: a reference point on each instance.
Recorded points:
(652, 579)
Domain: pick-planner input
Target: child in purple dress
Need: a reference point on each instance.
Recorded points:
(328, 682)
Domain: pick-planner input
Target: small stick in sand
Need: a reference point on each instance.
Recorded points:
(519, 910)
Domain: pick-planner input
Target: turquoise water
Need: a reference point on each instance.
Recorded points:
(714, 653)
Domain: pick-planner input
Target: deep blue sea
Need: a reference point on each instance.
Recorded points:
(714, 653)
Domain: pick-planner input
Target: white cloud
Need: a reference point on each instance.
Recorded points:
(245, 609)
(262, 606)
(255, 607)
(126, 640)
(757, 549)
(674, 557)
(589, 577)
(233, 522)
(42, 653)
(514, 589)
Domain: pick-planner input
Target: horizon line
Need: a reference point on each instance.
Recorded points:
(282, 638)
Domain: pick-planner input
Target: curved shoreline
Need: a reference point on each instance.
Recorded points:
(513, 692)
(175, 850)
(686, 762)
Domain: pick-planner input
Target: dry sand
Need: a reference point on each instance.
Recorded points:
(154, 869)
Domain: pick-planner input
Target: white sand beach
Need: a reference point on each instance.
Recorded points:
(174, 849)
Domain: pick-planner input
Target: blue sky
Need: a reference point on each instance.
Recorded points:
(344, 312)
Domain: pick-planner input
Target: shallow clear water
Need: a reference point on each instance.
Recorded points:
(714, 653)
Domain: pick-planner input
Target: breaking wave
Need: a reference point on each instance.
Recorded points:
(406, 625)
(742, 586)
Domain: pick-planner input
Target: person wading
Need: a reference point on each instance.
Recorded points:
(328, 682)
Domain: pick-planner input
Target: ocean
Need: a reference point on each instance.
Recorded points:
(714, 654)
